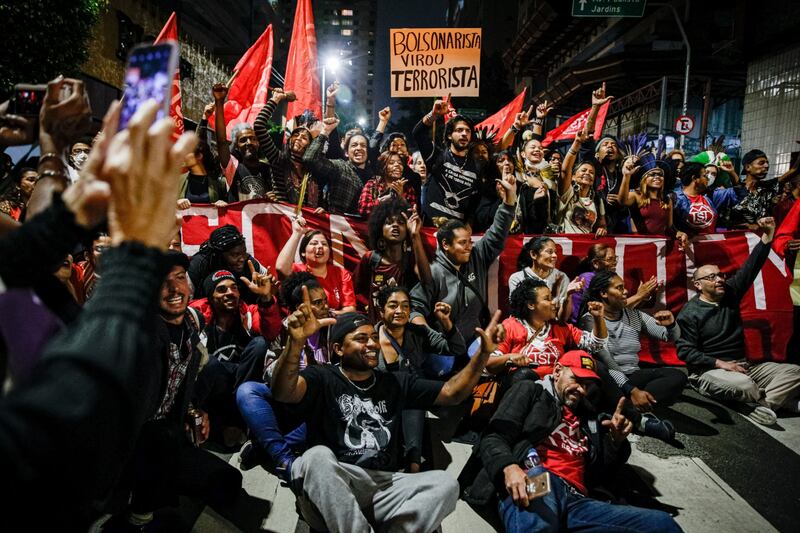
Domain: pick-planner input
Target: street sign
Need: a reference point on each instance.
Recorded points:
(684, 125)
(608, 8)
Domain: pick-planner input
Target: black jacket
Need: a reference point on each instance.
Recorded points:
(527, 414)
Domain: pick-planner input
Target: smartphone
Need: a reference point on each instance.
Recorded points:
(27, 100)
(148, 75)
(538, 486)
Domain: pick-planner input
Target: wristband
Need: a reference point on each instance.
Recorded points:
(514, 129)
(536, 121)
(53, 174)
(50, 155)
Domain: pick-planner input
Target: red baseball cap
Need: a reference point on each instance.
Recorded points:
(581, 363)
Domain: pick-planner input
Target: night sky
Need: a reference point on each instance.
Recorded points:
(400, 14)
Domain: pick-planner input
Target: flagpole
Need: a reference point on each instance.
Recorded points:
(302, 196)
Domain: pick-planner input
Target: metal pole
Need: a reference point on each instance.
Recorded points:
(324, 103)
(663, 107)
(688, 63)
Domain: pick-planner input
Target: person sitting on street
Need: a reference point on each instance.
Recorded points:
(347, 480)
(712, 341)
(237, 338)
(276, 437)
(544, 428)
(407, 347)
(225, 250)
(649, 389)
(460, 270)
(167, 461)
(315, 255)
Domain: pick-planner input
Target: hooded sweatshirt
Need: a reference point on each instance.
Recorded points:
(447, 285)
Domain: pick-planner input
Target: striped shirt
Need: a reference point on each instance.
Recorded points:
(621, 353)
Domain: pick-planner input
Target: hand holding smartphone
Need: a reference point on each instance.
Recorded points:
(148, 76)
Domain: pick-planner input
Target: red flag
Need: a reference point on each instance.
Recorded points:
(501, 121)
(575, 123)
(250, 87)
(301, 64)
(170, 33)
(788, 230)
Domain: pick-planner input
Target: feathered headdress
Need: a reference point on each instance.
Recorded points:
(634, 146)
(304, 120)
(484, 134)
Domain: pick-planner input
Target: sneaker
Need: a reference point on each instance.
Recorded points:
(759, 414)
(248, 456)
(659, 429)
(284, 469)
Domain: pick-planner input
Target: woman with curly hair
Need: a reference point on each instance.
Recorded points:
(397, 257)
(388, 184)
(534, 338)
(14, 201)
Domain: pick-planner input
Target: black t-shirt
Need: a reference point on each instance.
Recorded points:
(361, 426)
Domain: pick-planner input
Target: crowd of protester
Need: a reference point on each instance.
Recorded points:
(122, 357)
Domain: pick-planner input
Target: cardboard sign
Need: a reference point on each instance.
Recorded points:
(435, 61)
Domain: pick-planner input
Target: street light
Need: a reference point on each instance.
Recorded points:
(362, 121)
(332, 64)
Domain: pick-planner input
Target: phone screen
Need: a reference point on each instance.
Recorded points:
(27, 100)
(148, 76)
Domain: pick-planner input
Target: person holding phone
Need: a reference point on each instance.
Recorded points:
(544, 429)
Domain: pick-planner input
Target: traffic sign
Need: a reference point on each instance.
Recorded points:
(684, 125)
(608, 8)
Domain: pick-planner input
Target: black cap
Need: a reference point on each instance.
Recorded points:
(347, 323)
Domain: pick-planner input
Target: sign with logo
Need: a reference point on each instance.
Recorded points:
(435, 61)
(684, 125)
(608, 8)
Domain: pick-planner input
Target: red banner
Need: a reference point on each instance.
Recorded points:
(766, 309)
(502, 121)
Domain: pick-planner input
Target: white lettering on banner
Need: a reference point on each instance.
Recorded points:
(210, 213)
(250, 211)
(759, 291)
(341, 228)
(563, 242)
(689, 256)
(661, 260)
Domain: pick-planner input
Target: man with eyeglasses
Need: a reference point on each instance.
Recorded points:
(712, 341)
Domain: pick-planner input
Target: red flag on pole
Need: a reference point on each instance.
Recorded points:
(788, 230)
(170, 33)
(501, 121)
(301, 65)
(250, 88)
(575, 123)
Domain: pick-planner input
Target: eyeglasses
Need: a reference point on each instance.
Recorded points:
(712, 277)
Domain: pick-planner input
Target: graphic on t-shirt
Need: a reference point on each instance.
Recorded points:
(700, 215)
(567, 437)
(583, 218)
(542, 352)
(366, 427)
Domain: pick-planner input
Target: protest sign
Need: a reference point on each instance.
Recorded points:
(435, 61)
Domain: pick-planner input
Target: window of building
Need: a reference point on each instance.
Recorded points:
(334, 22)
(347, 12)
(347, 32)
(347, 22)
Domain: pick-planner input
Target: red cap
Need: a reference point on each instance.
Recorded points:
(581, 363)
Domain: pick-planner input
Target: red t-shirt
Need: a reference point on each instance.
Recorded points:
(338, 285)
(549, 345)
(369, 281)
(562, 453)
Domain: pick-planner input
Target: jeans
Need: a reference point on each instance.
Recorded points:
(564, 509)
(221, 378)
(280, 439)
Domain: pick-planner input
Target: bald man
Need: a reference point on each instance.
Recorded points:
(712, 341)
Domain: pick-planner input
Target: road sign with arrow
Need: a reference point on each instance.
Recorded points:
(608, 8)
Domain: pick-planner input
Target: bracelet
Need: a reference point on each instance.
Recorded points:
(537, 121)
(572, 152)
(514, 129)
(52, 174)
